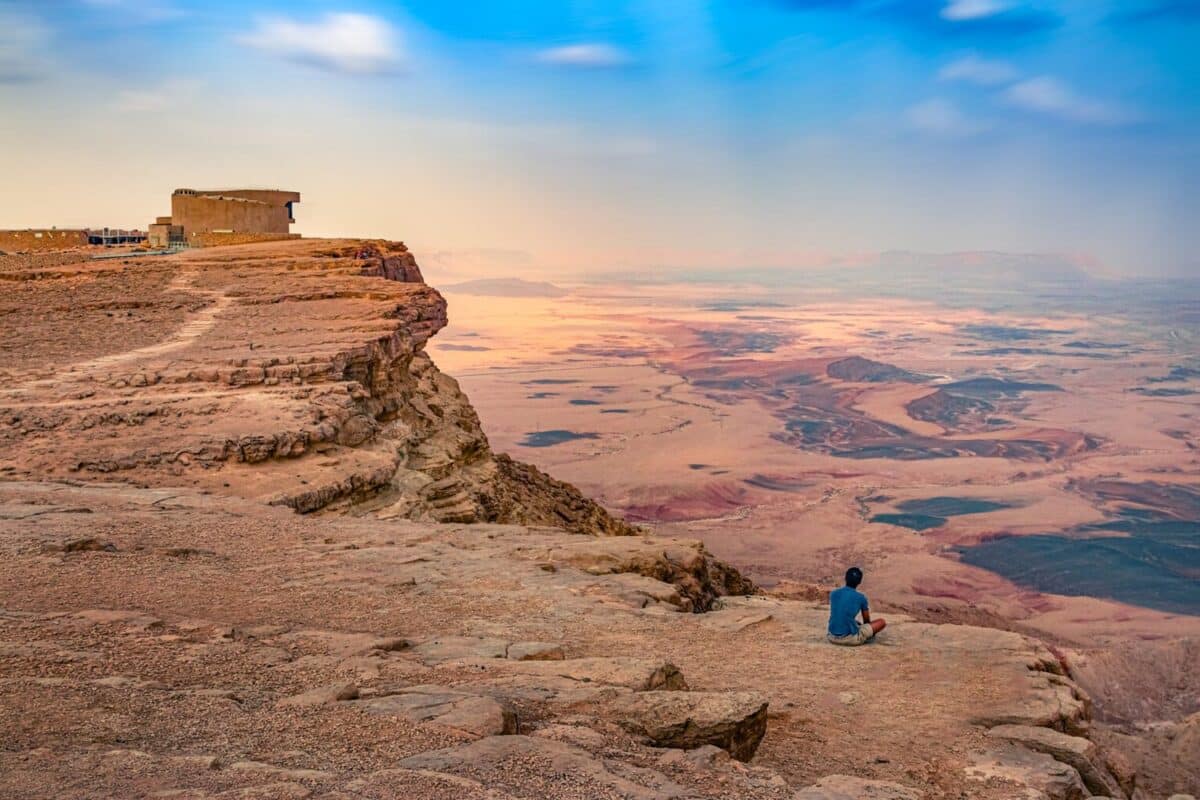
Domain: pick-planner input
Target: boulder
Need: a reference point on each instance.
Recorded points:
(472, 714)
(734, 721)
(846, 787)
(1075, 751)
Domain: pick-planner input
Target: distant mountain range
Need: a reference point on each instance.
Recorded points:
(506, 287)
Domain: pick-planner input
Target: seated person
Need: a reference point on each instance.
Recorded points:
(844, 606)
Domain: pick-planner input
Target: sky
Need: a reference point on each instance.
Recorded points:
(516, 136)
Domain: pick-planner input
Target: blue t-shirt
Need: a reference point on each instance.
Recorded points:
(844, 605)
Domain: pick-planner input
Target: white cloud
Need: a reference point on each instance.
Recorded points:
(23, 43)
(942, 118)
(980, 71)
(960, 10)
(1047, 95)
(589, 54)
(340, 42)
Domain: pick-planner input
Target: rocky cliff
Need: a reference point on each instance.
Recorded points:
(292, 372)
(170, 627)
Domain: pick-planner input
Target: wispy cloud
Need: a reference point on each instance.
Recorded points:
(963, 20)
(974, 9)
(1050, 96)
(23, 44)
(594, 55)
(986, 19)
(979, 71)
(940, 117)
(358, 44)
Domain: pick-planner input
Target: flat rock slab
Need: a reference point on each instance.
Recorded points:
(734, 721)
(846, 787)
(1037, 773)
(735, 620)
(322, 695)
(639, 674)
(532, 768)
(453, 648)
(457, 648)
(472, 714)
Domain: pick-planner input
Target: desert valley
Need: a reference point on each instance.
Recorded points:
(259, 542)
(653, 400)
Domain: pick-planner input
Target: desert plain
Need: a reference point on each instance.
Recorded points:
(982, 458)
(284, 520)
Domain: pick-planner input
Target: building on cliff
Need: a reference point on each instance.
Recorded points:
(43, 239)
(207, 217)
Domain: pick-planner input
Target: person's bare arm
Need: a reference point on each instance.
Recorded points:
(866, 615)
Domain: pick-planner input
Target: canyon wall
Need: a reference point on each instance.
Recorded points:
(294, 373)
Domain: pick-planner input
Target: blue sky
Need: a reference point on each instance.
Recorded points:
(629, 133)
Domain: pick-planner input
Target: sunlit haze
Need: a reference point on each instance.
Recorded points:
(520, 136)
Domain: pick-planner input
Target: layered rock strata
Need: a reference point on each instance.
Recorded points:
(293, 372)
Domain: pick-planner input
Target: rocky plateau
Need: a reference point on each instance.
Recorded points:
(255, 544)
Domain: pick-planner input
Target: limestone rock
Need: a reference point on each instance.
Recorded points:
(735, 621)
(284, 773)
(451, 648)
(322, 695)
(314, 413)
(638, 674)
(422, 784)
(845, 787)
(1038, 774)
(696, 575)
(473, 714)
(734, 721)
(535, 651)
(513, 761)
(1075, 751)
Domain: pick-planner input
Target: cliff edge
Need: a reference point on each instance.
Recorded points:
(292, 372)
(171, 627)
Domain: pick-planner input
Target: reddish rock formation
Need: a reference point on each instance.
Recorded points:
(293, 372)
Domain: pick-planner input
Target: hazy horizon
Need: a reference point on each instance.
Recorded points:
(587, 137)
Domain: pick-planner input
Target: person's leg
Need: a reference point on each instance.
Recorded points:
(847, 641)
(878, 624)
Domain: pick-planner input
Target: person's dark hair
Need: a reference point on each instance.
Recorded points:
(853, 577)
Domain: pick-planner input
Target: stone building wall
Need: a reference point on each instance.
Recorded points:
(42, 239)
(236, 210)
